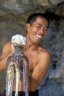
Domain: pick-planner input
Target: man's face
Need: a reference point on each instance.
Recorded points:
(37, 30)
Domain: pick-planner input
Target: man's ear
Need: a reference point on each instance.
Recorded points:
(28, 27)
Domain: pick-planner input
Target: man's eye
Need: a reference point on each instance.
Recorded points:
(38, 26)
(46, 28)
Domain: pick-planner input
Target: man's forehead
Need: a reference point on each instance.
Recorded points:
(40, 17)
(40, 21)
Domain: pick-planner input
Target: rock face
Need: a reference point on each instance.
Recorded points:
(13, 14)
(22, 6)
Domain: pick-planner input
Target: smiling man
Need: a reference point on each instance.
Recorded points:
(39, 58)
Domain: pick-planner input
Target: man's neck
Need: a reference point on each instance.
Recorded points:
(30, 45)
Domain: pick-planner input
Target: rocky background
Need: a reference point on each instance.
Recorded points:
(13, 15)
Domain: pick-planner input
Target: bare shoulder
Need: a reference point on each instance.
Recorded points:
(44, 56)
(6, 48)
(7, 45)
(5, 53)
(41, 70)
(44, 52)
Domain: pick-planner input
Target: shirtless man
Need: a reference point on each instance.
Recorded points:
(39, 58)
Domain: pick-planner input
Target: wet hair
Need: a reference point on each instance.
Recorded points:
(33, 17)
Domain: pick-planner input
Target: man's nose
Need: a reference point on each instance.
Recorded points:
(42, 30)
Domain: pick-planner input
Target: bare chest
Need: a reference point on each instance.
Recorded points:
(33, 61)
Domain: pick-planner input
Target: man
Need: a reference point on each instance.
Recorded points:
(39, 58)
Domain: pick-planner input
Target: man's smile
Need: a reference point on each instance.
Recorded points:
(38, 36)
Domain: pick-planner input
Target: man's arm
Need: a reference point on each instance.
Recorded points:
(41, 68)
(5, 53)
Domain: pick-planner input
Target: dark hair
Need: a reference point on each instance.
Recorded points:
(33, 17)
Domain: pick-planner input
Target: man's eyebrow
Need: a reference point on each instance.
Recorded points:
(38, 24)
(42, 25)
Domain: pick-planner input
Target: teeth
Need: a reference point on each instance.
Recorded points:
(38, 36)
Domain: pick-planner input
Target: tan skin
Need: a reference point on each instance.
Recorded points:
(39, 58)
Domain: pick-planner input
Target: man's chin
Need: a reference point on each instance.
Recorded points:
(37, 42)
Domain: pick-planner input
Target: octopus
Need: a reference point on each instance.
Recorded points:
(14, 64)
